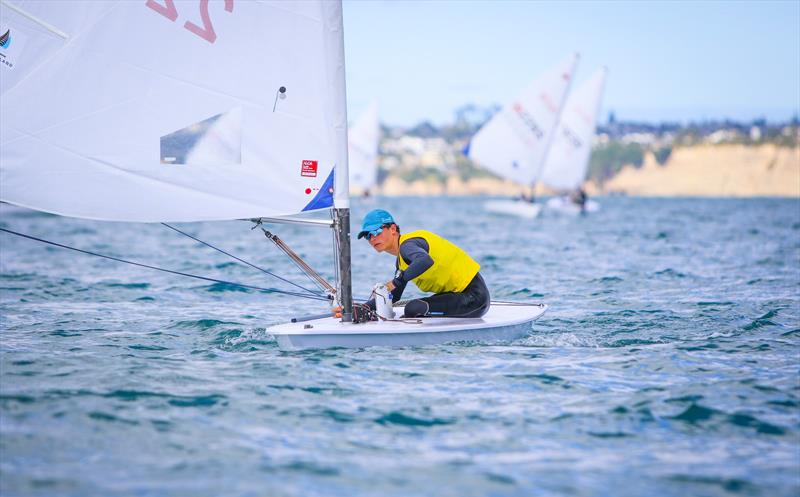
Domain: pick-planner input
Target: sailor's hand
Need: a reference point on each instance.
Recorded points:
(337, 311)
(390, 285)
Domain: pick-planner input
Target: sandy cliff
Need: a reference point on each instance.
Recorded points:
(702, 170)
(715, 170)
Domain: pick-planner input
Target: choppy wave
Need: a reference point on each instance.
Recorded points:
(666, 364)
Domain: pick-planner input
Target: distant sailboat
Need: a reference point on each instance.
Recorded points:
(363, 140)
(515, 141)
(568, 158)
(241, 118)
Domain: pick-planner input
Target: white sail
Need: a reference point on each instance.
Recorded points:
(514, 142)
(568, 158)
(364, 137)
(103, 104)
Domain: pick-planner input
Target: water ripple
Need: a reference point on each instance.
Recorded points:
(667, 361)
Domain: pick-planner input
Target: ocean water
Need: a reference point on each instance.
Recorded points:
(667, 365)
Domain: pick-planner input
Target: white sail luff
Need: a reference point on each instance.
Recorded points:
(338, 100)
(551, 135)
(568, 159)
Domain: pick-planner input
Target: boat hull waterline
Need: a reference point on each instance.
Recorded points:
(502, 323)
(519, 208)
(563, 205)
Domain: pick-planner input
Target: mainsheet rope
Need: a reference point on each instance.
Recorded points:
(313, 292)
(189, 275)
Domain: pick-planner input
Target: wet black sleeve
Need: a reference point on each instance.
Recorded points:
(399, 284)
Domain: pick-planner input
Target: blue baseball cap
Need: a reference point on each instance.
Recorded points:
(374, 222)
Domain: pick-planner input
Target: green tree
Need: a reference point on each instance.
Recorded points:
(606, 160)
(662, 154)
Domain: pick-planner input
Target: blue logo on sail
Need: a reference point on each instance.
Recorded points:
(5, 40)
(324, 197)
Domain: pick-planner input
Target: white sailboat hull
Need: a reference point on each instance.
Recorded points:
(503, 322)
(519, 208)
(564, 205)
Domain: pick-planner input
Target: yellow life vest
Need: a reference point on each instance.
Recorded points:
(452, 269)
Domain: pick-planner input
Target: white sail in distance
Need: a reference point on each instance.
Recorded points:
(103, 103)
(568, 158)
(363, 140)
(515, 140)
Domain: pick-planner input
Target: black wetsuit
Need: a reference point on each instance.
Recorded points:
(579, 198)
(473, 302)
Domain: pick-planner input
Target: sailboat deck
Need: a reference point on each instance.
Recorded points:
(502, 322)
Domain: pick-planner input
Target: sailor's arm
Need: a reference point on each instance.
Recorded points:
(414, 252)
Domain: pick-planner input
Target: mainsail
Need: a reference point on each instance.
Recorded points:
(364, 137)
(568, 158)
(514, 142)
(172, 111)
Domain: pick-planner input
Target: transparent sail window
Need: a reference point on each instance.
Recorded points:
(211, 142)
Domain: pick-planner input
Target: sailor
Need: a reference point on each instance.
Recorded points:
(579, 197)
(433, 263)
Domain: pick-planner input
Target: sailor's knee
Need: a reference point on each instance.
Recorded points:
(416, 308)
(483, 309)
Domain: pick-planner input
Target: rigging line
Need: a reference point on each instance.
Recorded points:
(522, 304)
(302, 270)
(337, 274)
(308, 270)
(313, 292)
(305, 273)
(267, 290)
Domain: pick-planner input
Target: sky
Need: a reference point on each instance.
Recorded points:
(676, 61)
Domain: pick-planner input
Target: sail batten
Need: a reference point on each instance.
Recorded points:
(174, 126)
(40, 22)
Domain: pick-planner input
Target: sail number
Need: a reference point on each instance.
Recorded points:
(170, 11)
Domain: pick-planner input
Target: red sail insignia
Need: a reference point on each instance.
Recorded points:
(309, 169)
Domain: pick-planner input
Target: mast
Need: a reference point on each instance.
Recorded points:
(341, 186)
(547, 146)
(345, 291)
(567, 161)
